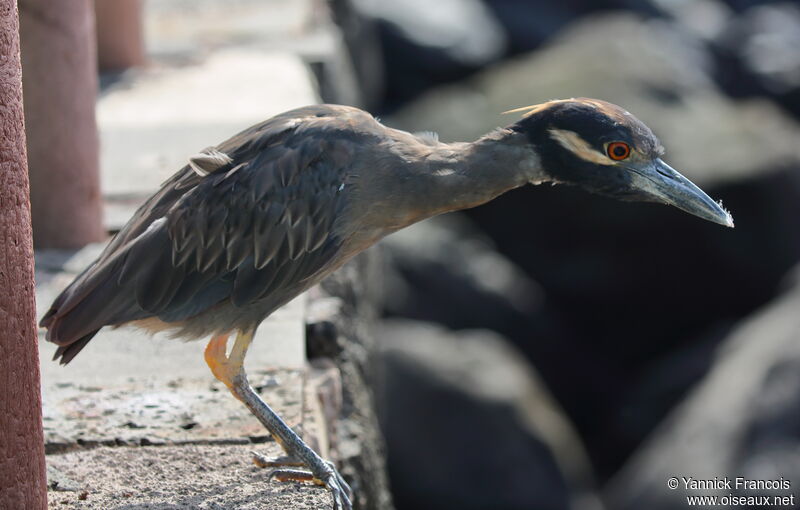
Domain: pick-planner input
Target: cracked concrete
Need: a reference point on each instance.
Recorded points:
(171, 478)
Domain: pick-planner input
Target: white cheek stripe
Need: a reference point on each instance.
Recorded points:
(573, 142)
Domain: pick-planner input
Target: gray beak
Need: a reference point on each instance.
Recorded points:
(666, 185)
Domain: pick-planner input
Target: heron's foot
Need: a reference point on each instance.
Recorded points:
(228, 369)
(325, 474)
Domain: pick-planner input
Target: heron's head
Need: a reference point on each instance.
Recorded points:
(604, 149)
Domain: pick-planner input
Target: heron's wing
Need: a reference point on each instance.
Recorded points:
(259, 222)
(252, 229)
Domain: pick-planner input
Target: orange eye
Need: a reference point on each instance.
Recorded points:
(618, 151)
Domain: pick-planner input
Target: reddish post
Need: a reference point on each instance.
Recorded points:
(23, 481)
(120, 44)
(60, 84)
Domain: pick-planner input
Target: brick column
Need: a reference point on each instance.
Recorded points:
(60, 84)
(23, 482)
(120, 44)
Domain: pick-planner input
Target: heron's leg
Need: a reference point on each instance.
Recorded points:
(230, 370)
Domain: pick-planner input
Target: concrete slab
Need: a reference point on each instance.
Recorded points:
(155, 411)
(152, 121)
(189, 411)
(171, 478)
(212, 24)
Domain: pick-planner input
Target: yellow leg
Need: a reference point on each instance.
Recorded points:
(225, 368)
(230, 370)
(216, 358)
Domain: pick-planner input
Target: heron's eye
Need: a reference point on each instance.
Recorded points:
(618, 150)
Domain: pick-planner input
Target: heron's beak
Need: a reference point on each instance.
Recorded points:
(664, 184)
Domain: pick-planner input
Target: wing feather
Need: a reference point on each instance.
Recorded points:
(246, 221)
(269, 223)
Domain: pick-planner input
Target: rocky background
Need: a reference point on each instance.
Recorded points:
(557, 350)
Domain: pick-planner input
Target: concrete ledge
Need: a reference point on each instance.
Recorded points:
(172, 477)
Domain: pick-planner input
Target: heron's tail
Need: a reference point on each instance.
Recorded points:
(93, 300)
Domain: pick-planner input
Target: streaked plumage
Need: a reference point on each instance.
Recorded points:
(249, 224)
(244, 239)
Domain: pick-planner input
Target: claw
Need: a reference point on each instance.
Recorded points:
(340, 491)
(331, 479)
(341, 481)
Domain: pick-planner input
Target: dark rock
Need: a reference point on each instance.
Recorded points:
(742, 420)
(364, 50)
(348, 301)
(426, 43)
(752, 44)
(637, 290)
(757, 53)
(743, 5)
(468, 426)
(446, 270)
(530, 23)
(321, 340)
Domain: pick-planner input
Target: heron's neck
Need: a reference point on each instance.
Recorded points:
(418, 180)
(464, 175)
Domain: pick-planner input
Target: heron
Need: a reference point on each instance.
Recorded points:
(247, 225)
